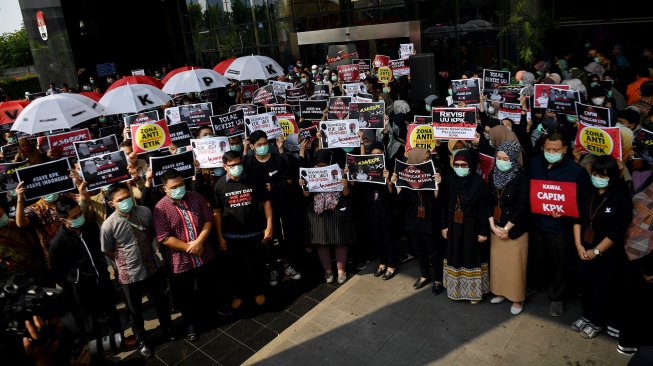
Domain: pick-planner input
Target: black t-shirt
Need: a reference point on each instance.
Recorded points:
(241, 202)
(274, 170)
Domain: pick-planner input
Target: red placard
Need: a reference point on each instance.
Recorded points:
(549, 196)
(485, 166)
(63, 142)
(380, 61)
(150, 137)
(349, 73)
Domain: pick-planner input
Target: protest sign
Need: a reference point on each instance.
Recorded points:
(643, 145)
(9, 151)
(353, 88)
(485, 165)
(454, 123)
(341, 54)
(563, 101)
(180, 134)
(494, 78)
(599, 141)
(47, 178)
(150, 137)
(363, 63)
(279, 108)
(338, 108)
(381, 61)
(144, 118)
(363, 98)
(138, 72)
(324, 179)
(384, 74)
(508, 94)
(102, 170)
(420, 177)
(591, 115)
(420, 136)
(63, 142)
(366, 168)
(312, 110)
(266, 122)
(320, 92)
(541, 94)
(248, 109)
(91, 148)
(308, 133)
(510, 111)
(182, 162)
(548, 197)
(208, 151)
(8, 179)
(400, 67)
(288, 124)
(293, 96)
(422, 120)
(195, 115)
(229, 124)
(248, 91)
(279, 87)
(349, 73)
(339, 133)
(406, 50)
(467, 91)
(369, 115)
(265, 95)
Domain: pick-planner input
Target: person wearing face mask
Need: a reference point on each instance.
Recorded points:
(20, 250)
(551, 235)
(79, 267)
(10, 137)
(244, 225)
(182, 223)
(236, 144)
(27, 151)
(307, 83)
(597, 96)
(605, 211)
(509, 216)
(429, 103)
(127, 238)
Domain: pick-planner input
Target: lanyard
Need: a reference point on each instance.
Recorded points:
(89, 255)
(135, 226)
(598, 208)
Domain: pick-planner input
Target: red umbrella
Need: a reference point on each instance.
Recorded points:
(10, 110)
(223, 65)
(177, 71)
(93, 95)
(139, 79)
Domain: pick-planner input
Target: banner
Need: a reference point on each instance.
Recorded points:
(467, 91)
(325, 179)
(229, 124)
(208, 151)
(485, 166)
(102, 170)
(548, 196)
(381, 61)
(454, 123)
(493, 78)
(9, 151)
(541, 94)
(279, 87)
(349, 73)
(64, 142)
(422, 120)
(352, 89)
(384, 74)
(599, 141)
(182, 162)
(339, 133)
(420, 177)
(180, 134)
(265, 95)
(293, 96)
(563, 101)
(320, 92)
(338, 108)
(150, 137)
(406, 50)
(420, 136)
(400, 67)
(365, 64)
(643, 145)
(47, 178)
(369, 115)
(591, 115)
(312, 110)
(508, 94)
(91, 148)
(143, 118)
(266, 122)
(279, 109)
(366, 168)
(8, 179)
(288, 124)
(248, 109)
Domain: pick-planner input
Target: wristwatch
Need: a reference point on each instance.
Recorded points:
(596, 251)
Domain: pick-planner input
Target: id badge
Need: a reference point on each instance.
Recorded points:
(421, 212)
(497, 214)
(588, 237)
(458, 216)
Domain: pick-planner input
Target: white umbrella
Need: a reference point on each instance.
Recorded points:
(196, 80)
(133, 98)
(88, 101)
(253, 68)
(53, 112)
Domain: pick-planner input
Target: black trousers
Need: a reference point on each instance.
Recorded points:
(95, 300)
(247, 257)
(429, 254)
(598, 281)
(193, 292)
(548, 262)
(155, 287)
(380, 225)
(635, 304)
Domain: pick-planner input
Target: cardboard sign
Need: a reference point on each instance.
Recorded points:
(9, 151)
(494, 78)
(381, 61)
(422, 120)
(103, 170)
(195, 115)
(349, 73)
(591, 115)
(418, 177)
(279, 87)
(320, 92)
(384, 74)
(47, 178)
(266, 122)
(363, 64)
(182, 162)
(366, 168)
(507, 94)
(420, 136)
(279, 108)
(454, 123)
(599, 141)
(325, 179)
(8, 178)
(400, 68)
(64, 142)
(643, 145)
(150, 137)
(541, 94)
(91, 148)
(353, 89)
(563, 101)
(406, 50)
(265, 95)
(338, 108)
(485, 166)
(339, 133)
(180, 134)
(467, 91)
(208, 151)
(369, 115)
(288, 124)
(229, 124)
(248, 109)
(312, 110)
(549, 197)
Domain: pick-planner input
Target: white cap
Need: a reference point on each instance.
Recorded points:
(314, 67)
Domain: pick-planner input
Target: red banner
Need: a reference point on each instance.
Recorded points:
(63, 142)
(349, 73)
(549, 196)
(150, 137)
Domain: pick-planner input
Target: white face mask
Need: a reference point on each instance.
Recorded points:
(598, 101)
(490, 110)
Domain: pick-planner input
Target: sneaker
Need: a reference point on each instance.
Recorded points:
(612, 332)
(626, 351)
(292, 273)
(407, 258)
(579, 324)
(590, 331)
(497, 300)
(556, 308)
(342, 277)
(516, 309)
(274, 278)
(144, 350)
(329, 278)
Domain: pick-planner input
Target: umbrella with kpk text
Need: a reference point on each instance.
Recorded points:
(133, 98)
(253, 68)
(53, 112)
(221, 67)
(196, 80)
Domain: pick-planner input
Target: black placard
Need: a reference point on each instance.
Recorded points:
(229, 124)
(265, 96)
(182, 162)
(416, 177)
(312, 110)
(102, 170)
(366, 168)
(90, 148)
(320, 92)
(47, 178)
(339, 108)
(180, 134)
(369, 115)
(467, 91)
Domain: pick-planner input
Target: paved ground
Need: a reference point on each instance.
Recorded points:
(368, 321)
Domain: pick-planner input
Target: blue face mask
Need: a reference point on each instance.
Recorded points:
(461, 172)
(450, 91)
(262, 150)
(236, 171)
(597, 60)
(503, 165)
(599, 182)
(347, 149)
(232, 94)
(303, 80)
(78, 222)
(552, 157)
(51, 198)
(126, 205)
(236, 147)
(177, 193)
(386, 90)
(4, 220)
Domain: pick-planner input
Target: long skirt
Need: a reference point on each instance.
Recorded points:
(508, 260)
(466, 275)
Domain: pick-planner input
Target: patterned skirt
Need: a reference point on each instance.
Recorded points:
(331, 227)
(466, 283)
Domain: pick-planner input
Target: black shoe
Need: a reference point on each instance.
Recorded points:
(191, 334)
(420, 283)
(437, 288)
(144, 350)
(380, 271)
(389, 274)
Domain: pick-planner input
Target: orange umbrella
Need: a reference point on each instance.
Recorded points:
(139, 79)
(223, 65)
(177, 71)
(93, 95)
(10, 110)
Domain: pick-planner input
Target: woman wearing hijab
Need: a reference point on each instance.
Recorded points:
(27, 151)
(509, 200)
(465, 227)
(330, 223)
(605, 212)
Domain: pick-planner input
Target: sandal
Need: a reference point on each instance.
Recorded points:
(590, 331)
(579, 324)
